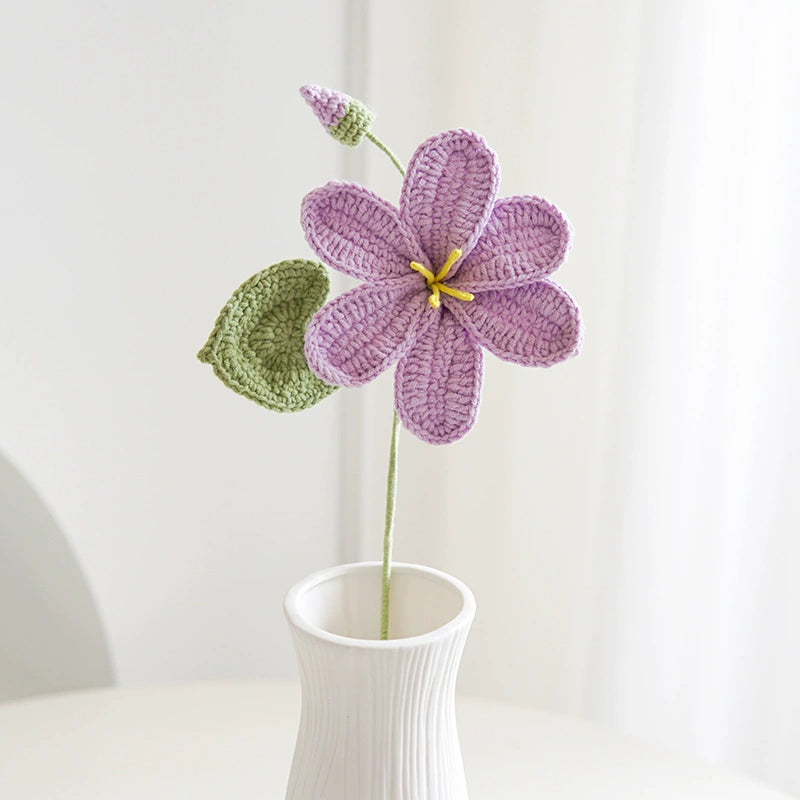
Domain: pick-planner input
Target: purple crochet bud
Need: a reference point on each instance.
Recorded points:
(346, 119)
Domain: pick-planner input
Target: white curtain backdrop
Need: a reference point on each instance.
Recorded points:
(628, 520)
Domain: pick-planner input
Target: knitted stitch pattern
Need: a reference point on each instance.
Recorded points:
(256, 347)
(449, 272)
(346, 119)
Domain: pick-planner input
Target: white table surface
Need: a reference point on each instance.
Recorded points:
(235, 741)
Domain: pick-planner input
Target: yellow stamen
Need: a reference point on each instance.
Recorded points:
(426, 273)
(451, 259)
(435, 281)
(455, 292)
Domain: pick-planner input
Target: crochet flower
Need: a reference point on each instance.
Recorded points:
(454, 270)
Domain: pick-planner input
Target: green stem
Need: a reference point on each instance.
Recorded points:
(391, 496)
(391, 481)
(381, 146)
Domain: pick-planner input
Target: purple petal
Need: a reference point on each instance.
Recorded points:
(526, 238)
(355, 337)
(449, 192)
(329, 105)
(353, 230)
(437, 385)
(536, 325)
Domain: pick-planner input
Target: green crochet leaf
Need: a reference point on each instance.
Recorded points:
(256, 347)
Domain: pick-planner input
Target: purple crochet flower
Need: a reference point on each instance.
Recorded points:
(452, 271)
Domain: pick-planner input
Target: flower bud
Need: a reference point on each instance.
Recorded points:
(346, 119)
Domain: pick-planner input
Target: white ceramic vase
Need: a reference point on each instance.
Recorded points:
(378, 717)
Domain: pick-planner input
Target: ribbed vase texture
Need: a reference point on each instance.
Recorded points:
(378, 718)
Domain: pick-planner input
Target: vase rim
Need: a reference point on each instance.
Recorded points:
(461, 620)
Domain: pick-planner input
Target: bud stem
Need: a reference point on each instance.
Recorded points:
(381, 146)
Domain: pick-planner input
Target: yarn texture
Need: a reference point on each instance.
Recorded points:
(257, 345)
(346, 119)
(479, 280)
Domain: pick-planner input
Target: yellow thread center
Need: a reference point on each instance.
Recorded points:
(436, 282)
